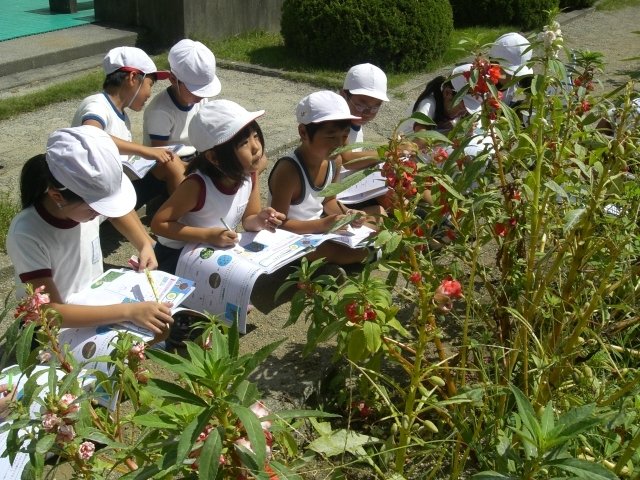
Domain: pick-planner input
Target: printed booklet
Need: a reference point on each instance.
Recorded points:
(225, 277)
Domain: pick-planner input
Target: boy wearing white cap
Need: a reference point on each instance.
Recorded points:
(54, 241)
(324, 121)
(130, 74)
(193, 80)
(365, 90)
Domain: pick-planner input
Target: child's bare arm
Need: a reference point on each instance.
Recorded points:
(166, 220)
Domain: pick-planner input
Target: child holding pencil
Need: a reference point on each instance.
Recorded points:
(220, 190)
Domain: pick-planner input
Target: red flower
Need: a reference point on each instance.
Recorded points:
(351, 310)
(577, 81)
(586, 106)
(450, 287)
(515, 195)
(370, 314)
(501, 229)
(494, 74)
(415, 277)
(440, 155)
(363, 409)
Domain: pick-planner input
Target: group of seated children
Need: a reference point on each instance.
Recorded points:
(79, 182)
(67, 192)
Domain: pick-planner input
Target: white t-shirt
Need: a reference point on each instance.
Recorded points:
(100, 108)
(166, 120)
(41, 245)
(427, 106)
(215, 202)
(356, 135)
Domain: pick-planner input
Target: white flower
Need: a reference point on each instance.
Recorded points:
(86, 450)
(260, 410)
(50, 421)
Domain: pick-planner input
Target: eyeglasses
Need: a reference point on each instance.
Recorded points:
(359, 108)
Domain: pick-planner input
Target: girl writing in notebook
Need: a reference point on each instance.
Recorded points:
(221, 188)
(54, 241)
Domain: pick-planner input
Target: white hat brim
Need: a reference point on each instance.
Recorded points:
(518, 70)
(119, 203)
(370, 93)
(209, 90)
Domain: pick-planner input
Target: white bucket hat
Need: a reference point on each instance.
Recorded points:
(131, 59)
(459, 81)
(323, 106)
(195, 65)
(366, 79)
(85, 160)
(512, 51)
(218, 122)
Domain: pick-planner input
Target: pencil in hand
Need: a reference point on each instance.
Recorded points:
(147, 272)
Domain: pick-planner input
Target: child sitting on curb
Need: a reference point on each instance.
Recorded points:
(130, 74)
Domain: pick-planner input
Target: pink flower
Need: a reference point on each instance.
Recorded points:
(66, 403)
(260, 410)
(66, 434)
(450, 288)
(29, 306)
(243, 442)
(50, 421)
(86, 450)
(440, 155)
(138, 351)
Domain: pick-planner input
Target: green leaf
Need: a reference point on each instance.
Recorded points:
(210, 455)
(283, 472)
(527, 415)
(45, 443)
(23, 348)
(489, 475)
(572, 219)
(233, 340)
(355, 349)
(547, 420)
(246, 393)
(170, 390)
(422, 119)
(583, 469)
(190, 434)
(341, 441)
(335, 188)
(557, 189)
(372, 335)
(254, 431)
(287, 414)
(153, 421)
(431, 136)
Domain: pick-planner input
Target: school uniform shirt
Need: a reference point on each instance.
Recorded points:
(310, 206)
(356, 135)
(215, 202)
(100, 108)
(41, 245)
(165, 119)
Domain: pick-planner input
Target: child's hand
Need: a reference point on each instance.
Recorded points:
(153, 316)
(147, 259)
(270, 219)
(359, 219)
(222, 237)
(160, 155)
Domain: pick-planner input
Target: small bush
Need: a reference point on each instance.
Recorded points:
(401, 36)
(576, 4)
(525, 14)
(9, 208)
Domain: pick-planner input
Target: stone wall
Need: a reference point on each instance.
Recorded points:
(163, 22)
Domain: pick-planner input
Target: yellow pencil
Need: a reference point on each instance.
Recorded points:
(152, 283)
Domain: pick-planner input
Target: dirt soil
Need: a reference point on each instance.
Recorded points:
(286, 378)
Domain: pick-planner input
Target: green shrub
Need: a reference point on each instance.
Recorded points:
(9, 208)
(525, 14)
(403, 35)
(576, 4)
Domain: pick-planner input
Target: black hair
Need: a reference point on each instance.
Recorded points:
(36, 178)
(434, 88)
(227, 164)
(117, 78)
(312, 128)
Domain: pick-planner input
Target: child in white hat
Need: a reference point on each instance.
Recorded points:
(324, 121)
(221, 188)
(130, 74)
(513, 52)
(193, 80)
(365, 90)
(54, 241)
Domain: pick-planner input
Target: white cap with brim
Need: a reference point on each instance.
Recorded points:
(86, 161)
(195, 66)
(458, 82)
(513, 51)
(323, 106)
(217, 122)
(131, 59)
(366, 79)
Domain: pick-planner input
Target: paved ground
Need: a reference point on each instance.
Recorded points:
(611, 33)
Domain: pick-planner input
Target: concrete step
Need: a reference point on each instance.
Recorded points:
(28, 60)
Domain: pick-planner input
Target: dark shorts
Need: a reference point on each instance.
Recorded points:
(167, 257)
